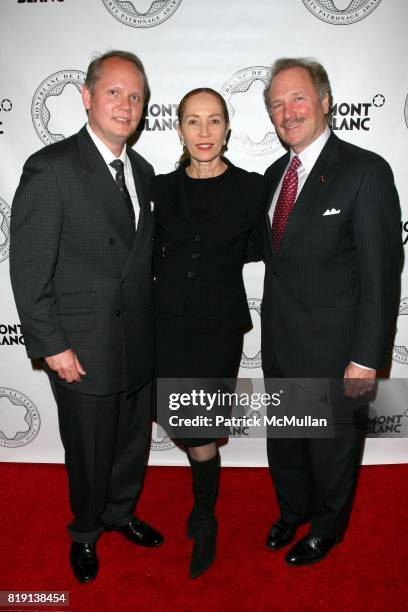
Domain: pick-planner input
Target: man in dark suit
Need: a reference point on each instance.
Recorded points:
(80, 263)
(332, 251)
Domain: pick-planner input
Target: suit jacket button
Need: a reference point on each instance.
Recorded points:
(111, 241)
(117, 313)
(190, 274)
(275, 275)
(195, 255)
(197, 238)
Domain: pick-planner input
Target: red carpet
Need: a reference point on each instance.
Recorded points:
(368, 571)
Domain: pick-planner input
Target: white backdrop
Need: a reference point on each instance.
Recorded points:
(46, 46)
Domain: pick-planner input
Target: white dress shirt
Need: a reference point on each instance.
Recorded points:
(108, 157)
(308, 158)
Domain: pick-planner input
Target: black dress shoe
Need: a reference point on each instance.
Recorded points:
(84, 561)
(138, 532)
(310, 549)
(281, 534)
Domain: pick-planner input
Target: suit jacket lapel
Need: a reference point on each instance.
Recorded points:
(145, 221)
(139, 182)
(274, 178)
(315, 187)
(102, 190)
(142, 192)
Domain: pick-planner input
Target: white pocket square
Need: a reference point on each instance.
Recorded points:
(152, 206)
(331, 211)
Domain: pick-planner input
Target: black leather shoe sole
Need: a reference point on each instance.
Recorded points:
(87, 578)
(140, 533)
(303, 554)
(84, 562)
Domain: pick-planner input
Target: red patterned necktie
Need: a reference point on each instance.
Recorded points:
(285, 203)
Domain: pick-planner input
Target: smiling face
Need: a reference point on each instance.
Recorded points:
(203, 127)
(115, 102)
(298, 114)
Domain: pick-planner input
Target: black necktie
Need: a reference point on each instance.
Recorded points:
(117, 165)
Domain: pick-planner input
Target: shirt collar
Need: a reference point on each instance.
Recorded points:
(106, 153)
(308, 156)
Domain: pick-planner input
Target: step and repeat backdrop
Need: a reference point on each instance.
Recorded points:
(45, 48)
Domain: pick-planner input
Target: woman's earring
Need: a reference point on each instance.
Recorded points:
(182, 142)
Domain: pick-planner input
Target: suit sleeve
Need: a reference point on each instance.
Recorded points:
(255, 246)
(376, 226)
(158, 229)
(36, 226)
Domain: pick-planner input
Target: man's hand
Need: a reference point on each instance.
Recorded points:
(358, 381)
(67, 366)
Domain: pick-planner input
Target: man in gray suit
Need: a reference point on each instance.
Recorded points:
(80, 264)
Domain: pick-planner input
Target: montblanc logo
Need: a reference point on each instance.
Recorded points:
(404, 232)
(245, 120)
(341, 12)
(400, 353)
(256, 360)
(160, 117)
(385, 425)
(355, 115)
(52, 86)
(126, 12)
(5, 107)
(5, 213)
(19, 419)
(11, 334)
(160, 440)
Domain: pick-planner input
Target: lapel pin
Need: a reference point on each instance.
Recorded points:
(322, 179)
(152, 206)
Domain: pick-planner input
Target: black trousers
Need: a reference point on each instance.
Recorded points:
(105, 440)
(315, 478)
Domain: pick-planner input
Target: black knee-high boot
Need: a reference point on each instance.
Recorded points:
(201, 524)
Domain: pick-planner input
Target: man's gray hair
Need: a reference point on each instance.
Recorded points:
(316, 71)
(95, 66)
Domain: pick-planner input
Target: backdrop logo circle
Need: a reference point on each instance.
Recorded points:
(31, 417)
(328, 11)
(126, 12)
(160, 440)
(5, 214)
(240, 82)
(400, 353)
(406, 111)
(253, 362)
(53, 85)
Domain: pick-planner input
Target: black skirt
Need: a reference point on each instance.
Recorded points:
(197, 349)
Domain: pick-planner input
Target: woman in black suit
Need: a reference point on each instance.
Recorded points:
(205, 212)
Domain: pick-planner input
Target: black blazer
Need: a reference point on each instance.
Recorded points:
(80, 276)
(331, 293)
(199, 263)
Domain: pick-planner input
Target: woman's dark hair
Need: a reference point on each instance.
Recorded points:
(185, 156)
